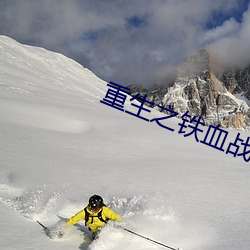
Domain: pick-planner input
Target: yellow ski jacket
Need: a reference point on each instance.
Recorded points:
(94, 223)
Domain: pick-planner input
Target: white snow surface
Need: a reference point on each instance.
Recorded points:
(60, 145)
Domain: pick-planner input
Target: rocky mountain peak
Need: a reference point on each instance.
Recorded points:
(237, 81)
(197, 64)
(202, 92)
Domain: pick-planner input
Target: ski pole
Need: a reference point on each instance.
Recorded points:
(45, 228)
(146, 238)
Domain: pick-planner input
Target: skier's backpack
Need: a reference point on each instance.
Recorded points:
(88, 216)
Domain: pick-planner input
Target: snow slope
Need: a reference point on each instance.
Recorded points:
(59, 145)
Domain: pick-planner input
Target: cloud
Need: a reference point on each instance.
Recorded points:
(124, 41)
(228, 28)
(232, 50)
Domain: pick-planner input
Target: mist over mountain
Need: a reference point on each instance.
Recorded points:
(202, 86)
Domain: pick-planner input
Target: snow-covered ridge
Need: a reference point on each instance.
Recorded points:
(22, 67)
(33, 74)
(55, 136)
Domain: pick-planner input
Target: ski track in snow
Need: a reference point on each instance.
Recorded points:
(145, 214)
(42, 116)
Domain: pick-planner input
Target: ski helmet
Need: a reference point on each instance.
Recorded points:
(95, 202)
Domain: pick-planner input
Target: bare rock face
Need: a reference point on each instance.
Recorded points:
(237, 81)
(136, 88)
(198, 90)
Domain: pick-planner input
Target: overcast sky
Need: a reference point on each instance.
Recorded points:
(131, 41)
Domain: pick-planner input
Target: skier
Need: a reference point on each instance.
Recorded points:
(95, 214)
